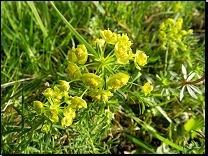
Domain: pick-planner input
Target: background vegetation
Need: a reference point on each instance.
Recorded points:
(34, 46)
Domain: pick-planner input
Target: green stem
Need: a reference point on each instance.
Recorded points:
(134, 84)
(166, 59)
(84, 92)
(107, 58)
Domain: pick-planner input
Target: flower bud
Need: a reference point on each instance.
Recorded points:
(78, 103)
(69, 112)
(162, 26)
(117, 81)
(67, 121)
(100, 42)
(71, 55)
(64, 86)
(170, 21)
(109, 37)
(140, 58)
(100, 95)
(81, 53)
(37, 104)
(123, 52)
(92, 80)
(180, 20)
(183, 32)
(147, 88)
(190, 31)
(52, 115)
(45, 128)
(73, 71)
(48, 93)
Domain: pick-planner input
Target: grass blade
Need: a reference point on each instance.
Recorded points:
(35, 12)
(139, 142)
(78, 36)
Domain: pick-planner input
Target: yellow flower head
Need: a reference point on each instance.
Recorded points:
(52, 115)
(190, 31)
(162, 26)
(178, 25)
(78, 102)
(67, 121)
(48, 93)
(92, 80)
(117, 81)
(140, 58)
(180, 20)
(71, 55)
(100, 42)
(147, 88)
(69, 112)
(64, 86)
(123, 52)
(57, 96)
(100, 95)
(175, 30)
(45, 128)
(109, 37)
(81, 53)
(183, 32)
(169, 21)
(162, 33)
(73, 71)
(38, 106)
(172, 44)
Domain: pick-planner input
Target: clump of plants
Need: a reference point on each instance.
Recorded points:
(100, 85)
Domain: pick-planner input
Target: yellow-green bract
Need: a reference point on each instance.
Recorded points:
(117, 81)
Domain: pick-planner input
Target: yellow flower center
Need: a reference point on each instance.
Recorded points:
(93, 82)
(108, 33)
(117, 82)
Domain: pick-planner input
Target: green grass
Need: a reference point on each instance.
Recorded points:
(35, 39)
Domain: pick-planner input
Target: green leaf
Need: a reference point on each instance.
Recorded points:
(158, 77)
(139, 142)
(163, 90)
(191, 92)
(167, 93)
(191, 76)
(194, 124)
(163, 149)
(163, 113)
(195, 89)
(99, 7)
(182, 92)
(184, 71)
(171, 130)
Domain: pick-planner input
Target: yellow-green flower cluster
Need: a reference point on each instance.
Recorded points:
(123, 49)
(92, 80)
(100, 42)
(78, 54)
(69, 115)
(100, 95)
(52, 109)
(117, 81)
(171, 34)
(176, 6)
(73, 71)
(147, 88)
